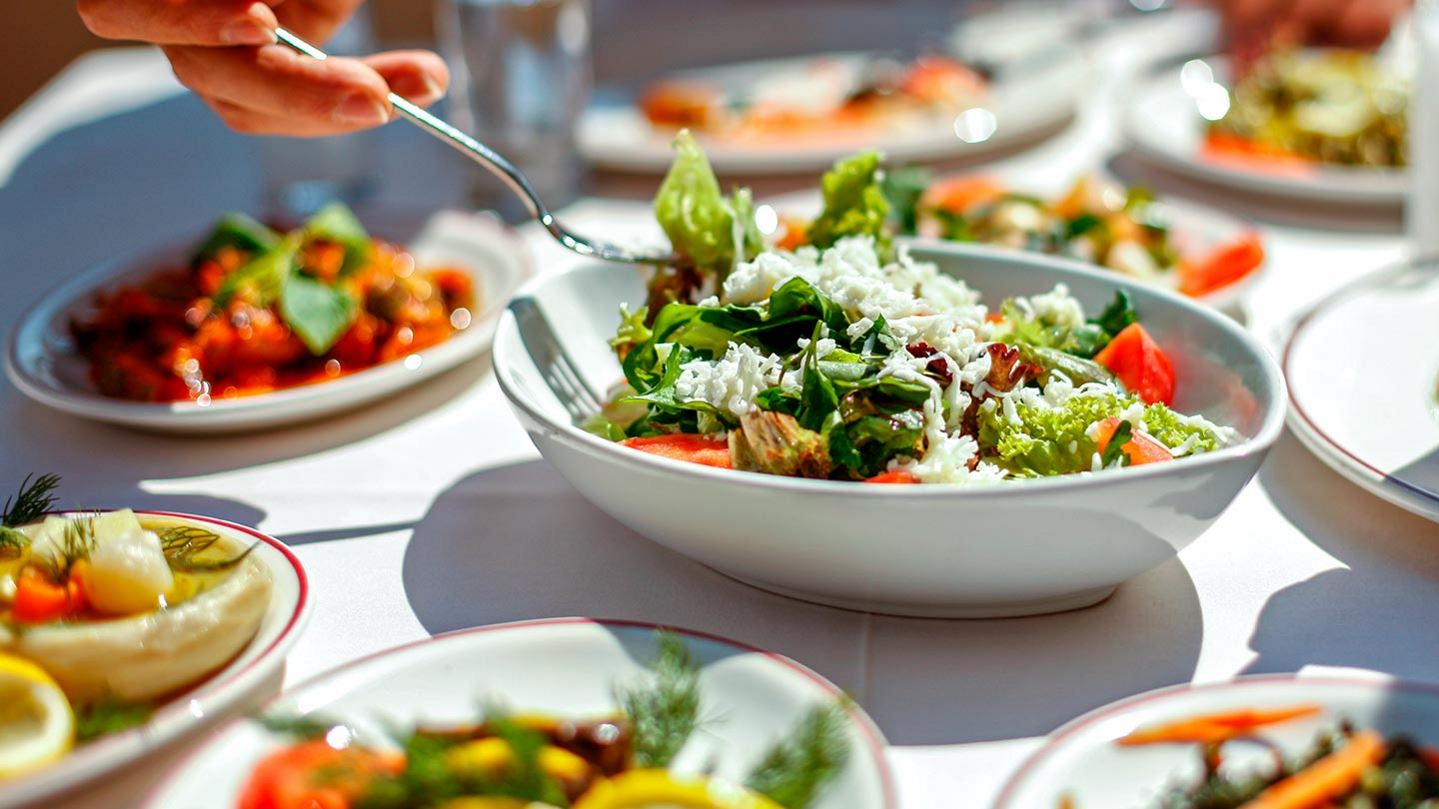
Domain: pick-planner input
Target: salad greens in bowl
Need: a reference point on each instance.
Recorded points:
(740, 408)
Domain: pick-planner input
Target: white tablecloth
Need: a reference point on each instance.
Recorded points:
(432, 511)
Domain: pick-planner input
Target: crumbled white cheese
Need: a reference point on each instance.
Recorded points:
(1056, 307)
(732, 382)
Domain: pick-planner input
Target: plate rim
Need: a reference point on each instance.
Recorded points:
(1055, 738)
(875, 740)
(174, 719)
(260, 411)
(1362, 473)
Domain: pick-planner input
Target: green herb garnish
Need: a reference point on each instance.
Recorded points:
(797, 769)
(665, 712)
(34, 500)
(109, 715)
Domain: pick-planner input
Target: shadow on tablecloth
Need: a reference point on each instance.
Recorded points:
(1378, 612)
(518, 542)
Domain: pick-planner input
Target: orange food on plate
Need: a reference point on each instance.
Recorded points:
(258, 311)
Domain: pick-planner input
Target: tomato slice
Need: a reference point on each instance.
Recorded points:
(700, 449)
(1221, 267)
(895, 476)
(314, 775)
(1137, 360)
(1140, 448)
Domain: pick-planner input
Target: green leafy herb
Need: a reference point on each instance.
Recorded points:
(262, 281)
(854, 204)
(184, 564)
(309, 726)
(336, 223)
(702, 224)
(109, 715)
(903, 188)
(1114, 453)
(34, 500)
(237, 231)
(184, 541)
(666, 711)
(319, 313)
(796, 770)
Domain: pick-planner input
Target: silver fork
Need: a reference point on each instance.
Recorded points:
(549, 355)
(501, 168)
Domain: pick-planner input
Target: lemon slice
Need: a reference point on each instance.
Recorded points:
(36, 723)
(638, 789)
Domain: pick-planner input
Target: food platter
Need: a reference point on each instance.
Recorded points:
(236, 685)
(569, 666)
(42, 362)
(1037, 95)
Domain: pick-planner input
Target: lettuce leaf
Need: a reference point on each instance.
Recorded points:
(699, 220)
(854, 204)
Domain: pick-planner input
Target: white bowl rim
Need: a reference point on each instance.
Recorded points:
(174, 718)
(102, 274)
(874, 738)
(1258, 443)
(1055, 738)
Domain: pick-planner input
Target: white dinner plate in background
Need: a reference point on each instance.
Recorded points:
(1038, 94)
(1082, 761)
(1162, 122)
(563, 666)
(1363, 371)
(42, 362)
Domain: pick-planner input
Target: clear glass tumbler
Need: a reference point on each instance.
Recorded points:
(520, 76)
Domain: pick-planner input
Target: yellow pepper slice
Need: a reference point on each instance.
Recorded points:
(642, 788)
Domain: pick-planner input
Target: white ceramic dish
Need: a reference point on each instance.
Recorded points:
(565, 666)
(41, 361)
(1162, 122)
(1027, 547)
(1082, 761)
(229, 689)
(1363, 371)
(1195, 228)
(1038, 96)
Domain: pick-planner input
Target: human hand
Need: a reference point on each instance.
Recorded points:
(225, 51)
(1260, 24)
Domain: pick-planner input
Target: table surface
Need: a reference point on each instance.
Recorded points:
(432, 511)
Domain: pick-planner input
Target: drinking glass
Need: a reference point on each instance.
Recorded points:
(520, 76)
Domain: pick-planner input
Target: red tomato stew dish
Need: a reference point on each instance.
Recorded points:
(256, 310)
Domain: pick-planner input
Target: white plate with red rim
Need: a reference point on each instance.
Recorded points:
(1195, 228)
(561, 666)
(1039, 95)
(1162, 120)
(1363, 371)
(1082, 761)
(223, 692)
(42, 363)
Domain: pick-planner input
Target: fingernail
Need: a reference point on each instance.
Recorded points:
(246, 32)
(416, 86)
(362, 109)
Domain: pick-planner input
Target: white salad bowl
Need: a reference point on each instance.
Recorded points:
(1011, 548)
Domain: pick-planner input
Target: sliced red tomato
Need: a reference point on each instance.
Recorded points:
(959, 194)
(1137, 360)
(700, 449)
(314, 775)
(895, 476)
(1140, 448)
(1221, 267)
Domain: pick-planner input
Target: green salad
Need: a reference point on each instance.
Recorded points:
(848, 359)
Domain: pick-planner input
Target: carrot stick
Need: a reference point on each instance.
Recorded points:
(1325, 780)
(1216, 727)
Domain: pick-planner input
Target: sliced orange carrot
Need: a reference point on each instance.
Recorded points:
(959, 194)
(700, 449)
(894, 476)
(1216, 727)
(1221, 267)
(1140, 448)
(40, 601)
(1327, 779)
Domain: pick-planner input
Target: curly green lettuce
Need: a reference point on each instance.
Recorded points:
(854, 204)
(704, 225)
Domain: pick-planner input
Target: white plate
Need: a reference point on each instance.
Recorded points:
(565, 666)
(1026, 547)
(42, 363)
(1081, 759)
(227, 690)
(1363, 370)
(1162, 122)
(1039, 95)
(1195, 229)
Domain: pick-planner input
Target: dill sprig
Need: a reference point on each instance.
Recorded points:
(75, 544)
(34, 500)
(296, 726)
(184, 541)
(665, 712)
(796, 770)
(184, 564)
(109, 715)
